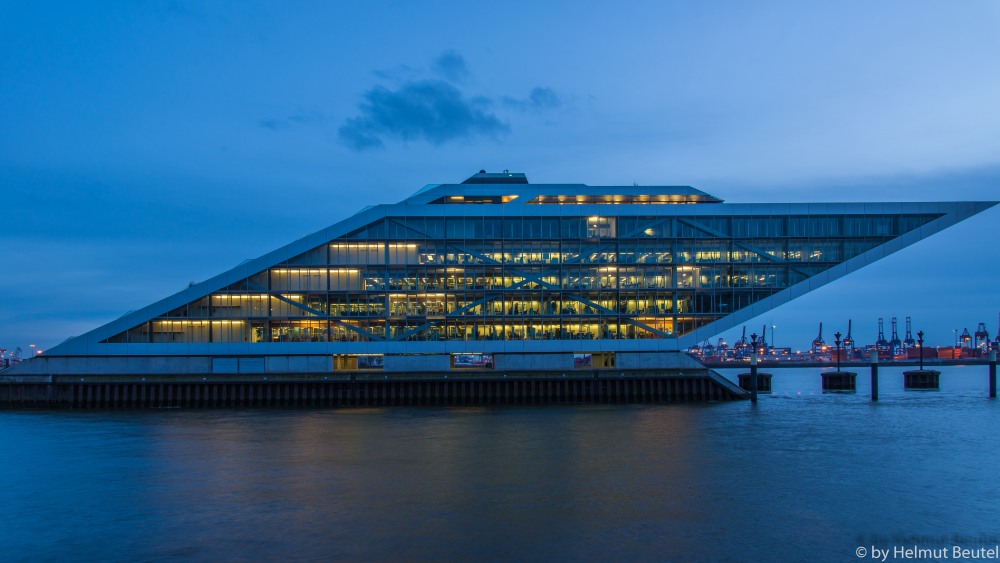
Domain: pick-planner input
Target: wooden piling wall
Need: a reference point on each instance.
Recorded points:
(214, 392)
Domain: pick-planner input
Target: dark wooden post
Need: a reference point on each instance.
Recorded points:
(993, 374)
(753, 369)
(875, 375)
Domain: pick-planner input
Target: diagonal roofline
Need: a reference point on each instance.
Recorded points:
(89, 343)
(951, 214)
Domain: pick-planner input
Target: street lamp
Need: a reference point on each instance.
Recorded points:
(920, 344)
(836, 340)
(774, 339)
(954, 350)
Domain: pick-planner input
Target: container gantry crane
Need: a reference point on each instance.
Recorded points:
(908, 341)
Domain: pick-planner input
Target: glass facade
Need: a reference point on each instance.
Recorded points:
(613, 275)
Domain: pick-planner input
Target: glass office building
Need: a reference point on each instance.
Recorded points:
(498, 273)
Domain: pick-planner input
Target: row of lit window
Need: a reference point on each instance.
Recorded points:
(512, 304)
(571, 279)
(422, 227)
(552, 252)
(452, 329)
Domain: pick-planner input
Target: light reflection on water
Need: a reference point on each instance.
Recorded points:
(802, 475)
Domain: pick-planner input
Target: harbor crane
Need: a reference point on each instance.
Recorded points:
(982, 337)
(881, 344)
(818, 344)
(848, 340)
(895, 343)
(741, 346)
(908, 341)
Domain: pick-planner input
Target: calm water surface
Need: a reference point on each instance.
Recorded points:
(801, 476)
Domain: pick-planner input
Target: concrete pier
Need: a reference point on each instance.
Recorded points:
(763, 381)
(366, 390)
(839, 380)
(921, 379)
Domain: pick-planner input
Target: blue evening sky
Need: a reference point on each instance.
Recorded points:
(147, 144)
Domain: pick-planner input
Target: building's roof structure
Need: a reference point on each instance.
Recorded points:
(509, 194)
(514, 189)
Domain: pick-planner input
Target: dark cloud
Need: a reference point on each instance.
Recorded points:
(451, 65)
(540, 99)
(433, 110)
(302, 117)
(399, 73)
(180, 9)
(272, 124)
(437, 111)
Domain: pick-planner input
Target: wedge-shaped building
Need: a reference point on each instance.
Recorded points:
(496, 273)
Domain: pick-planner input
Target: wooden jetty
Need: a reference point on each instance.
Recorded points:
(366, 390)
